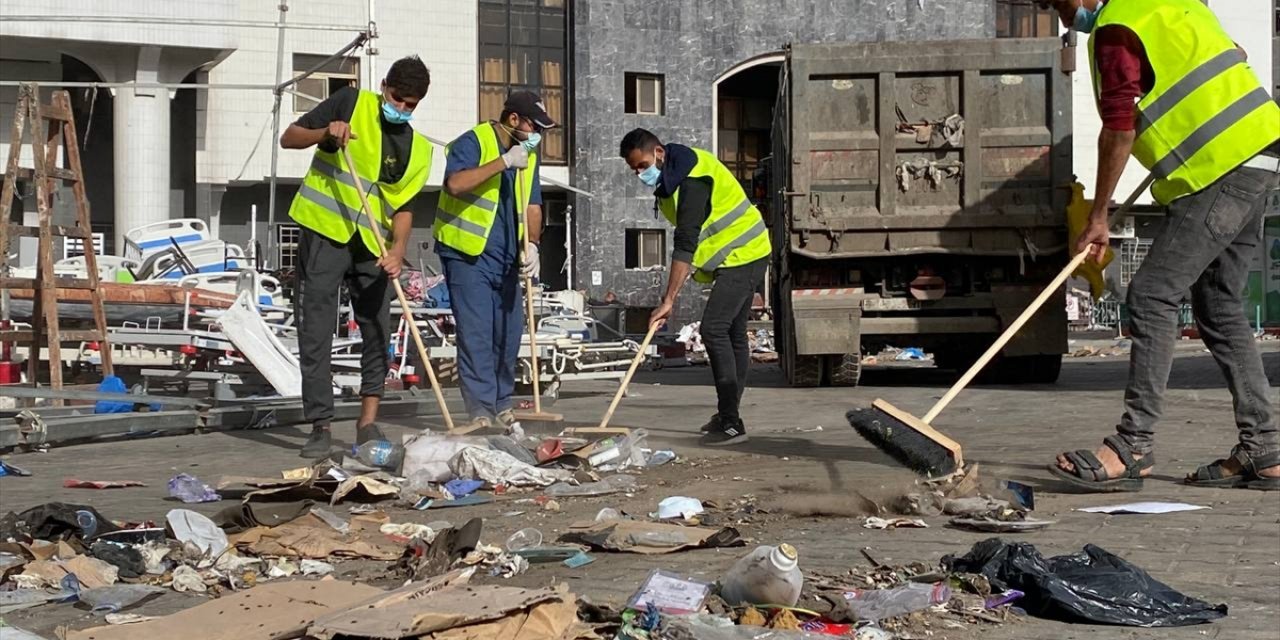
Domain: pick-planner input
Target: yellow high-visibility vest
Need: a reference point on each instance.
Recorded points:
(734, 233)
(328, 203)
(1207, 113)
(464, 222)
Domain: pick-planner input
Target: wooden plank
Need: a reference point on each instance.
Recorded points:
(58, 283)
(45, 319)
(54, 112)
(56, 173)
(76, 335)
(10, 179)
(57, 230)
(63, 100)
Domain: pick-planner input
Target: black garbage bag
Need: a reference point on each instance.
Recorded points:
(127, 560)
(1091, 586)
(55, 521)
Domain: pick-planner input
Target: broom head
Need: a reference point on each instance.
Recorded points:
(907, 439)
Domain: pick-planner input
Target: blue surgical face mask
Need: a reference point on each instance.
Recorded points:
(531, 141)
(1086, 19)
(394, 115)
(650, 176)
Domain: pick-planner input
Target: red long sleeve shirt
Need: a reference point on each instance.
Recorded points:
(1124, 75)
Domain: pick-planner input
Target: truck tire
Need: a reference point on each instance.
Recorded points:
(806, 371)
(845, 370)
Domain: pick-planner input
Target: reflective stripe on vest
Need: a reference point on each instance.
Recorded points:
(734, 233)
(328, 202)
(1206, 113)
(463, 222)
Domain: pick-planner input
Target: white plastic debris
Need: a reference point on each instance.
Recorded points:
(186, 579)
(499, 467)
(189, 526)
(315, 568)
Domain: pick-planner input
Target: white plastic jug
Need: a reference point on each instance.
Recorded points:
(768, 575)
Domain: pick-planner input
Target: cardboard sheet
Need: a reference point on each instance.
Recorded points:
(648, 538)
(554, 620)
(310, 537)
(270, 611)
(439, 605)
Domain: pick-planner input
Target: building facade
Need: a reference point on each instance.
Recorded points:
(704, 74)
(153, 153)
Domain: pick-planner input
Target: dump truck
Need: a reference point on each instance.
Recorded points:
(918, 195)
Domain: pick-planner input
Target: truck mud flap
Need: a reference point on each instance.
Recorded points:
(827, 321)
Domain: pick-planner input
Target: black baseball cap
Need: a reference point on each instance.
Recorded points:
(528, 105)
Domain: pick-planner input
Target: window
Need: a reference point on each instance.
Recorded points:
(74, 247)
(1023, 19)
(524, 46)
(646, 248)
(287, 236)
(644, 94)
(744, 136)
(339, 73)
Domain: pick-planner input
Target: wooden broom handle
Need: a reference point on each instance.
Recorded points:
(528, 298)
(1031, 310)
(631, 371)
(404, 302)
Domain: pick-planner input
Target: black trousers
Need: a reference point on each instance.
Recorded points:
(323, 265)
(724, 332)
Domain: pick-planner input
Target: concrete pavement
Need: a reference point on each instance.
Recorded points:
(1228, 554)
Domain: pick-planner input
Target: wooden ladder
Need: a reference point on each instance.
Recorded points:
(46, 287)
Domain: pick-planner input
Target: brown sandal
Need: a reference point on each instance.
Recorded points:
(1089, 474)
(1212, 474)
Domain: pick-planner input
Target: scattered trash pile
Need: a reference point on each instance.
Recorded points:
(1119, 348)
(894, 354)
(691, 337)
(762, 346)
(317, 553)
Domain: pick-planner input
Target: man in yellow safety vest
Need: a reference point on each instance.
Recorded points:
(490, 178)
(337, 244)
(719, 236)
(1176, 92)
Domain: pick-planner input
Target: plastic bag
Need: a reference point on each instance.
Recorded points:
(117, 597)
(1091, 586)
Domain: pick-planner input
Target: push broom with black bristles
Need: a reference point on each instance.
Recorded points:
(913, 441)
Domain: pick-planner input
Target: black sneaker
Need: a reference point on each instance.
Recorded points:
(368, 433)
(712, 425)
(726, 435)
(318, 445)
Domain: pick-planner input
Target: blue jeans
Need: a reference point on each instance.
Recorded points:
(489, 316)
(1205, 246)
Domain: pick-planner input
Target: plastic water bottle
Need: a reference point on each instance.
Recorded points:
(878, 604)
(379, 453)
(768, 575)
(88, 523)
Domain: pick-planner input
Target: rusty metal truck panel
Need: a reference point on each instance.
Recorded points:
(957, 147)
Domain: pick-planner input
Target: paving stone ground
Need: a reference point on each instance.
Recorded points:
(1229, 554)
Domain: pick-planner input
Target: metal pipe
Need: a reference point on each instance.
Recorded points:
(194, 22)
(568, 247)
(141, 85)
(371, 50)
(275, 136)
